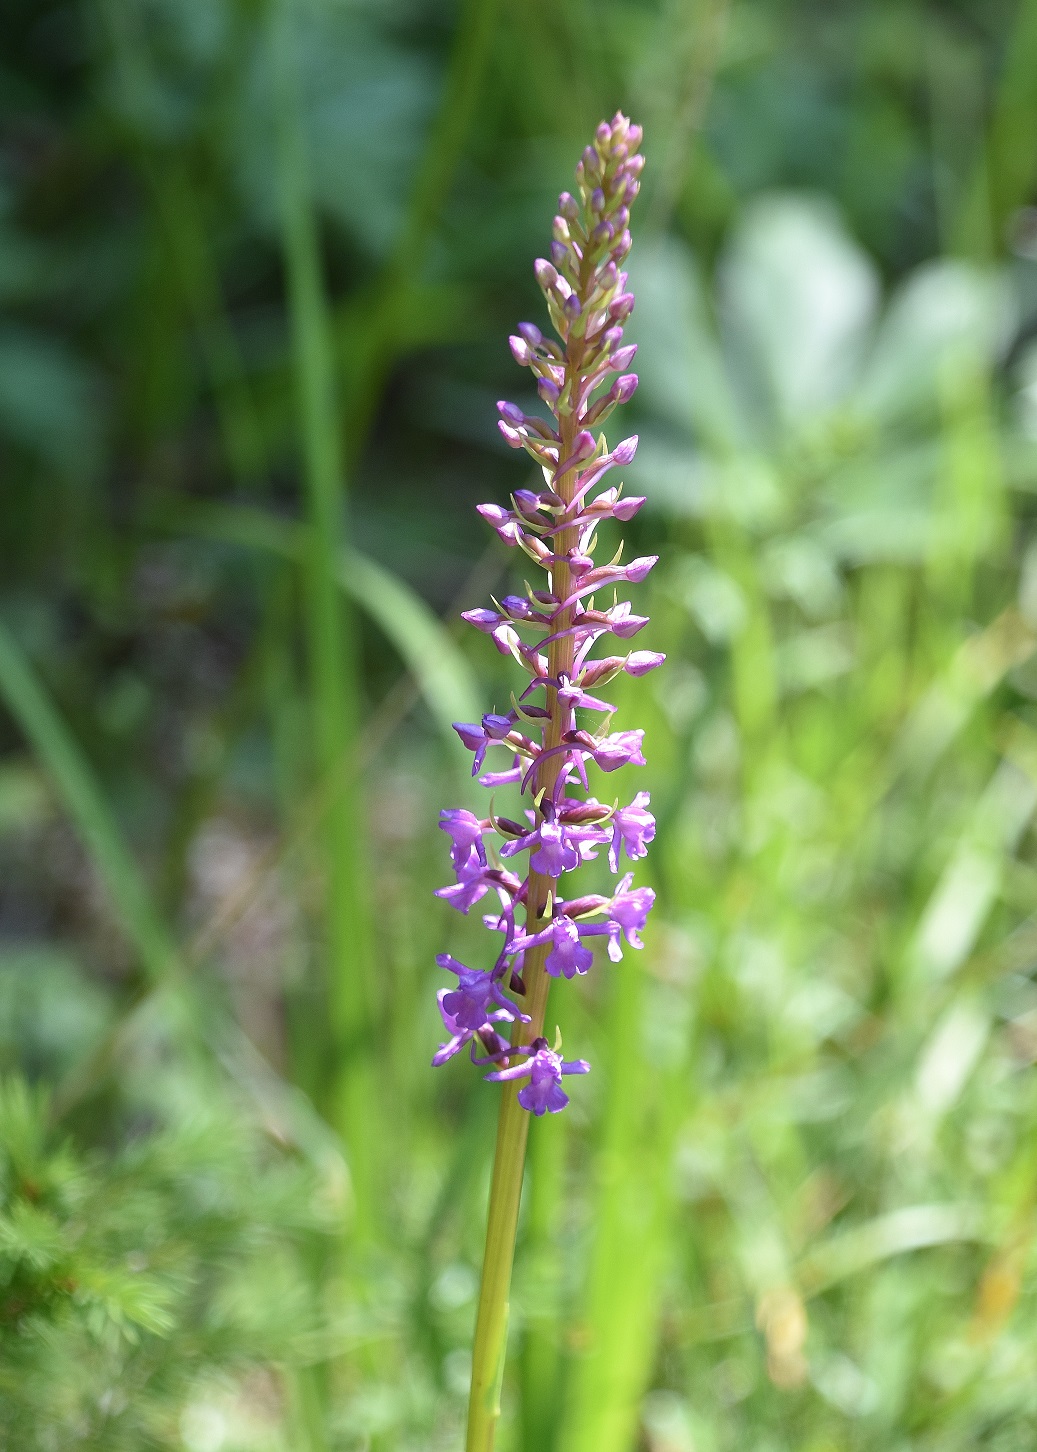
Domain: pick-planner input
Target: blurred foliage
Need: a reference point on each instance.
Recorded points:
(793, 1207)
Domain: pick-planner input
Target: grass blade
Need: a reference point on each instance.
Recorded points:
(331, 643)
(83, 797)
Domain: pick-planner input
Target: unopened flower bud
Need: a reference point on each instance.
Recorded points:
(640, 662)
(603, 135)
(531, 333)
(545, 274)
(597, 200)
(517, 606)
(621, 307)
(624, 626)
(625, 509)
(624, 452)
(621, 246)
(511, 436)
(623, 357)
(559, 254)
(560, 229)
(484, 620)
(520, 351)
(569, 207)
(511, 413)
(549, 391)
(572, 307)
(622, 391)
(638, 569)
(527, 502)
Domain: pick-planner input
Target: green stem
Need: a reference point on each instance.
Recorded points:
(491, 1324)
(331, 644)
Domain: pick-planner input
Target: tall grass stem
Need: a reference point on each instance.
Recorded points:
(330, 635)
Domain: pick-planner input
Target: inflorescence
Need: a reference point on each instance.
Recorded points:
(581, 380)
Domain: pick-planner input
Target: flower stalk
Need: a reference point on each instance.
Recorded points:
(547, 732)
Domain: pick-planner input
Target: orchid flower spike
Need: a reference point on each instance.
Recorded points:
(555, 733)
(558, 732)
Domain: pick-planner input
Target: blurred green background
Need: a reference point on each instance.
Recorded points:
(258, 262)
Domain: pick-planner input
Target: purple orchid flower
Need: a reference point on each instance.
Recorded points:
(471, 885)
(469, 1003)
(633, 828)
(465, 831)
(544, 1068)
(628, 912)
(567, 956)
(557, 847)
(552, 633)
(487, 1035)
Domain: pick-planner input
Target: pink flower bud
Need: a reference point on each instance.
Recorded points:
(511, 413)
(623, 357)
(640, 662)
(638, 569)
(545, 273)
(520, 351)
(623, 453)
(531, 333)
(625, 509)
(511, 436)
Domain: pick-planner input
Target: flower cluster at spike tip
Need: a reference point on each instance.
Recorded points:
(558, 725)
